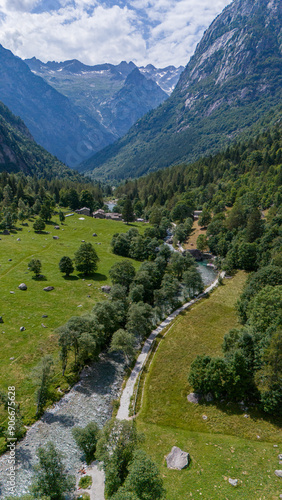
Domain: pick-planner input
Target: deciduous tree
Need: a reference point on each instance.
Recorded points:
(51, 478)
(86, 259)
(122, 273)
(42, 376)
(123, 341)
(35, 266)
(66, 265)
(86, 439)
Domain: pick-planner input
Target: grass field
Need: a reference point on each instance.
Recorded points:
(191, 243)
(20, 351)
(224, 445)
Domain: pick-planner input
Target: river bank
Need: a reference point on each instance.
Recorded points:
(90, 399)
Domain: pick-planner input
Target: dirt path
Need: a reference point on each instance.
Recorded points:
(128, 391)
(97, 489)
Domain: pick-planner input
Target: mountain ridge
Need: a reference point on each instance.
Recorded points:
(105, 93)
(230, 83)
(44, 110)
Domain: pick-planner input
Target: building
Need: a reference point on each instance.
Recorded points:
(83, 211)
(101, 214)
(114, 216)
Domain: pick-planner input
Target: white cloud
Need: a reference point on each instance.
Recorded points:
(160, 32)
(20, 5)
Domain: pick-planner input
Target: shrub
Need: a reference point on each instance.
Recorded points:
(85, 482)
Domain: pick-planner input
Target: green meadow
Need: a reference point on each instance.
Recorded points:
(224, 441)
(76, 295)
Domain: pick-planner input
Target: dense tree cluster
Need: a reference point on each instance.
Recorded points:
(251, 366)
(24, 196)
(130, 473)
(216, 180)
(240, 194)
(137, 301)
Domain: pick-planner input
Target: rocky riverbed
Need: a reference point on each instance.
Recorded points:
(90, 399)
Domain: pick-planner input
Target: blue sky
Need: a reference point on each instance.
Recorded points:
(160, 32)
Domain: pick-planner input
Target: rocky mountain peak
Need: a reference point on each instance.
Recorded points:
(230, 85)
(243, 42)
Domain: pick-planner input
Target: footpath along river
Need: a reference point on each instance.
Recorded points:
(90, 399)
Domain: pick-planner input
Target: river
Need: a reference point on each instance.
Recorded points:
(90, 399)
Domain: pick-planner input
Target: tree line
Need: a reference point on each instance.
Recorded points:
(24, 196)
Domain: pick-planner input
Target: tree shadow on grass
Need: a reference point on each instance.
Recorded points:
(93, 276)
(51, 223)
(71, 278)
(40, 277)
(249, 408)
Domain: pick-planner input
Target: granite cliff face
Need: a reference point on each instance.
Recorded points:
(238, 59)
(231, 86)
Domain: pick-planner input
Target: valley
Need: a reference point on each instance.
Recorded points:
(76, 295)
(222, 442)
(127, 188)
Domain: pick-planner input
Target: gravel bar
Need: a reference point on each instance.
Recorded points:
(89, 400)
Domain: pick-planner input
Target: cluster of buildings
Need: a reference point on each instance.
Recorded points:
(99, 214)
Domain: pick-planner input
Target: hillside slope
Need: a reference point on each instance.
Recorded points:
(19, 151)
(51, 118)
(230, 85)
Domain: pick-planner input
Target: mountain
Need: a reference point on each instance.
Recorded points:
(19, 151)
(137, 96)
(166, 78)
(113, 95)
(229, 88)
(51, 118)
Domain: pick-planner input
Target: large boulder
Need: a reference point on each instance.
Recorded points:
(106, 289)
(194, 397)
(22, 286)
(177, 459)
(278, 473)
(233, 482)
(48, 288)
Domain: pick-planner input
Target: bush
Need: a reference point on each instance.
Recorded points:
(85, 482)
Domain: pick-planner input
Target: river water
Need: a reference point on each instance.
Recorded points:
(208, 273)
(90, 399)
(111, 204)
